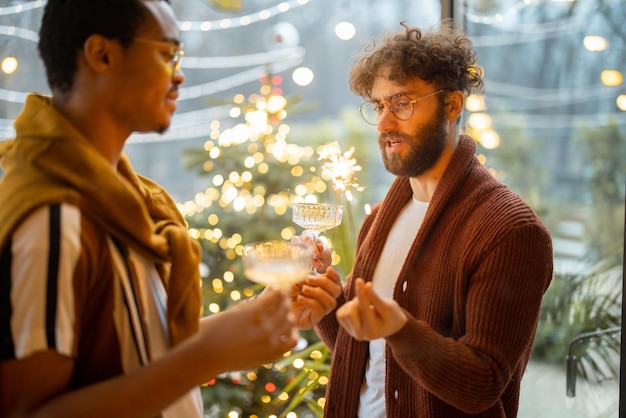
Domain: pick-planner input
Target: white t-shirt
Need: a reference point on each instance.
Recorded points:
(400, 240)
(155, 299)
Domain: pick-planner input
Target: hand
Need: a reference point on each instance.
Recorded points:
(315, 297)
(322, 256)
(368, 316)
(252, 333)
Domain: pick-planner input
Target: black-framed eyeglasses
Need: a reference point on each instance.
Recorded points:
(400, 105)
(176, 51)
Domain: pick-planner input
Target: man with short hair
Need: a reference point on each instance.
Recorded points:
(99, 281)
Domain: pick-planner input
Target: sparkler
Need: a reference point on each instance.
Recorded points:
(340, 168)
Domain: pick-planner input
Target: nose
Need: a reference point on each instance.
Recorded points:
(178, 77)
(386, 120)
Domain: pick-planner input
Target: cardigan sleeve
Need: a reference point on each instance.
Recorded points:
(501, 309)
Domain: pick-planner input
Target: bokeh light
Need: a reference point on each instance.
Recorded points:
(302, 76)
(345, 31)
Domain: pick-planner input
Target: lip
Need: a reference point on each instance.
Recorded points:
(391, 142)
(172, 95)
(172, 98)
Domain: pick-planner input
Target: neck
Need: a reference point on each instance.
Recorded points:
(94, 124)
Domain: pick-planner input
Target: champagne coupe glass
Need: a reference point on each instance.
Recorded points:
(276, 263)
(316, 218)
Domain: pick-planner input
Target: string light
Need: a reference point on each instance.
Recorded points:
(18, 32)
(9, 10)
(210, 25)
(281, 59)
(214, 62)
(203, 89)
(526, 32)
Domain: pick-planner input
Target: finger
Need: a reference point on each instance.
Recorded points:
(318, 301)
(366, 308)
(332, 274)
(295, 290)
(325, 284)
(329, 280)
(377, 302)
(271, 299)
(286, 339)
(279, 324)
(349, 318)
(320, 294)
(319, 265)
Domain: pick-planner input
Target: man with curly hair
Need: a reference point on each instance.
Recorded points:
(437, 317)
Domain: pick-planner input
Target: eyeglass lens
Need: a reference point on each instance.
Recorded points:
(177, 50)
(400, 106)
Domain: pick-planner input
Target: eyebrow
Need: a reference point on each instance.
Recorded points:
(168, 39)
(388, 98)
(174, 41)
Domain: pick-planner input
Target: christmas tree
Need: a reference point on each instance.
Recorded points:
(254, 175)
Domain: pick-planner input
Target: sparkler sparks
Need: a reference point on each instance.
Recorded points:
(340, 168)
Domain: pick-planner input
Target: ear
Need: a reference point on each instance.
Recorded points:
(98, 51)
(455, 103)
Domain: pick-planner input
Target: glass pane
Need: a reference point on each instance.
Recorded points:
(552, 125)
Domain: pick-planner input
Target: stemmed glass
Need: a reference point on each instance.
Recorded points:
(276, 263)
(316, 218)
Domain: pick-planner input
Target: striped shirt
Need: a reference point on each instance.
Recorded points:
(68, 286)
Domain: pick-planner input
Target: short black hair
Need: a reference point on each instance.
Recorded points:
(66, 25)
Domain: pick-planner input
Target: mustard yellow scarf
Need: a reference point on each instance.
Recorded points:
(49, 161)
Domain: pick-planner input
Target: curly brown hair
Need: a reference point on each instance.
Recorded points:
(444, 57)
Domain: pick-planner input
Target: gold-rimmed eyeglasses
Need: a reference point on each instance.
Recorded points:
(400, 105)
(175, 54)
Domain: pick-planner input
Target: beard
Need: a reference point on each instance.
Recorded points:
(425, 147)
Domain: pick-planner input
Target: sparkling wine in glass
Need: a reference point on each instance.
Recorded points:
(276, 263)
(316, 218)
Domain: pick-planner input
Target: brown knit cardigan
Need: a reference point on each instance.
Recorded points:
(472, 286)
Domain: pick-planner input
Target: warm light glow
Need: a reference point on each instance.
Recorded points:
(490, 139)
(345, 31)
(594, 43)
(339, 167)
(235, 112)
(9, 65)
(257, 120)
(479, 121)
(611, 78)
(621, 102)
(276, 103)
(302, 76)
(475, 103)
